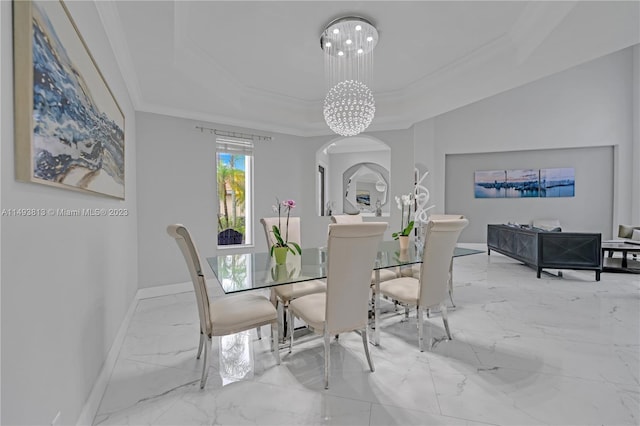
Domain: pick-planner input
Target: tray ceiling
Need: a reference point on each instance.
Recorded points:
(259, 64)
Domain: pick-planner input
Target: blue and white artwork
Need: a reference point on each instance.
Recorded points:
(557, 182)
(524, 183)
(490, 184)
(363, 197)
(78, 127)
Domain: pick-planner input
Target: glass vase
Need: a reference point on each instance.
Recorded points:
(404, 242)
(280, 255)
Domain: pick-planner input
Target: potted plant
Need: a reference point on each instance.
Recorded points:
(282, 244)
(404, 205)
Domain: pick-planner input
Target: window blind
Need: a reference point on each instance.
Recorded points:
(234, 145)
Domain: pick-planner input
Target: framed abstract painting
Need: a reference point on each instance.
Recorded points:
(363, 197)
(69, 128)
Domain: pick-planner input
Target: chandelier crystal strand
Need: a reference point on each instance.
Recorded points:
(348, 45)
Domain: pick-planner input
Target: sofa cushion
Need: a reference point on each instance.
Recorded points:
(626, 231)
(547, 224)
(546, 230)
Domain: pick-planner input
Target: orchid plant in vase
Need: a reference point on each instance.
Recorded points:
(282, 241)
(404, 205)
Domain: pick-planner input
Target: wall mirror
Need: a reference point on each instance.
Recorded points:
(353, 177)
(365, 188)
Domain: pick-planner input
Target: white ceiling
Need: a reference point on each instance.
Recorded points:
(259, 64)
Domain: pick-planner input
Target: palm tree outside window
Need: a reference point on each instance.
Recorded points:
(233, 175)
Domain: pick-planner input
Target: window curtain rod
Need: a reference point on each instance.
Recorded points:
(236, 135)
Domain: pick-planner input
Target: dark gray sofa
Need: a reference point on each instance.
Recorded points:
(540, 249)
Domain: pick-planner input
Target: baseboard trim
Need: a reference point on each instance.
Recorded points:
(163, 290)
(91, 405)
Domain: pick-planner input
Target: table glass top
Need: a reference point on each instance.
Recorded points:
(249, 271)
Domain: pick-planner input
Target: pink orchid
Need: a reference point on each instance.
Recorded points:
(282, 235)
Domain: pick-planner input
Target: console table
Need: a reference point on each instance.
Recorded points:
(540, 249)
(611, 264)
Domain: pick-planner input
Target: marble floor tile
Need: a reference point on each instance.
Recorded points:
(171, 345)
(139, 390)
(385, 415)
(525, 351)
(256, 403)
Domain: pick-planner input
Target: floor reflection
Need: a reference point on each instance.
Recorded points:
(236, 357)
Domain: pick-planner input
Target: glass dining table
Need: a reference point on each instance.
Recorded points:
(252, 271)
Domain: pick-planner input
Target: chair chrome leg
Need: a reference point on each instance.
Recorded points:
(327, 363)
(450, 283)
(275, 344)
(259, 331)
(281, 320)
(205, 364)
(443, 309)
(420, 330)
(365, 342)
(376, 309)
(200, 345)
(290, 319)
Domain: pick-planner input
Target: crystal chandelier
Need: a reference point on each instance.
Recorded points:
(348, 45)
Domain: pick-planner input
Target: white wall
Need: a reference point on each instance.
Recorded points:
(176, 169)
(590, 105)
(579, 213)
(177, 184)
(425, 160)
(635, 180)
(2, 73)
(67, 282)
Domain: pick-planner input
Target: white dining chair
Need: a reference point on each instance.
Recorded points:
(346, 218)
(414, 271)
(385, 274)
(431, 288)
(225, 315)
(351, 254)
(282, 295)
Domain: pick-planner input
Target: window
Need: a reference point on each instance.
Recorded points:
(234, 163)
(321, 179)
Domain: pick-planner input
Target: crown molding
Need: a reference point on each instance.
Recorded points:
(249, 124)
(536, 22)
(112, 24)
(490, 69)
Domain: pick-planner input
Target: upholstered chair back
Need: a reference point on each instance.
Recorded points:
(445, 216)
(440, 242)
(347, 218)
(191, 256)
(352, 250)
(294, 229)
